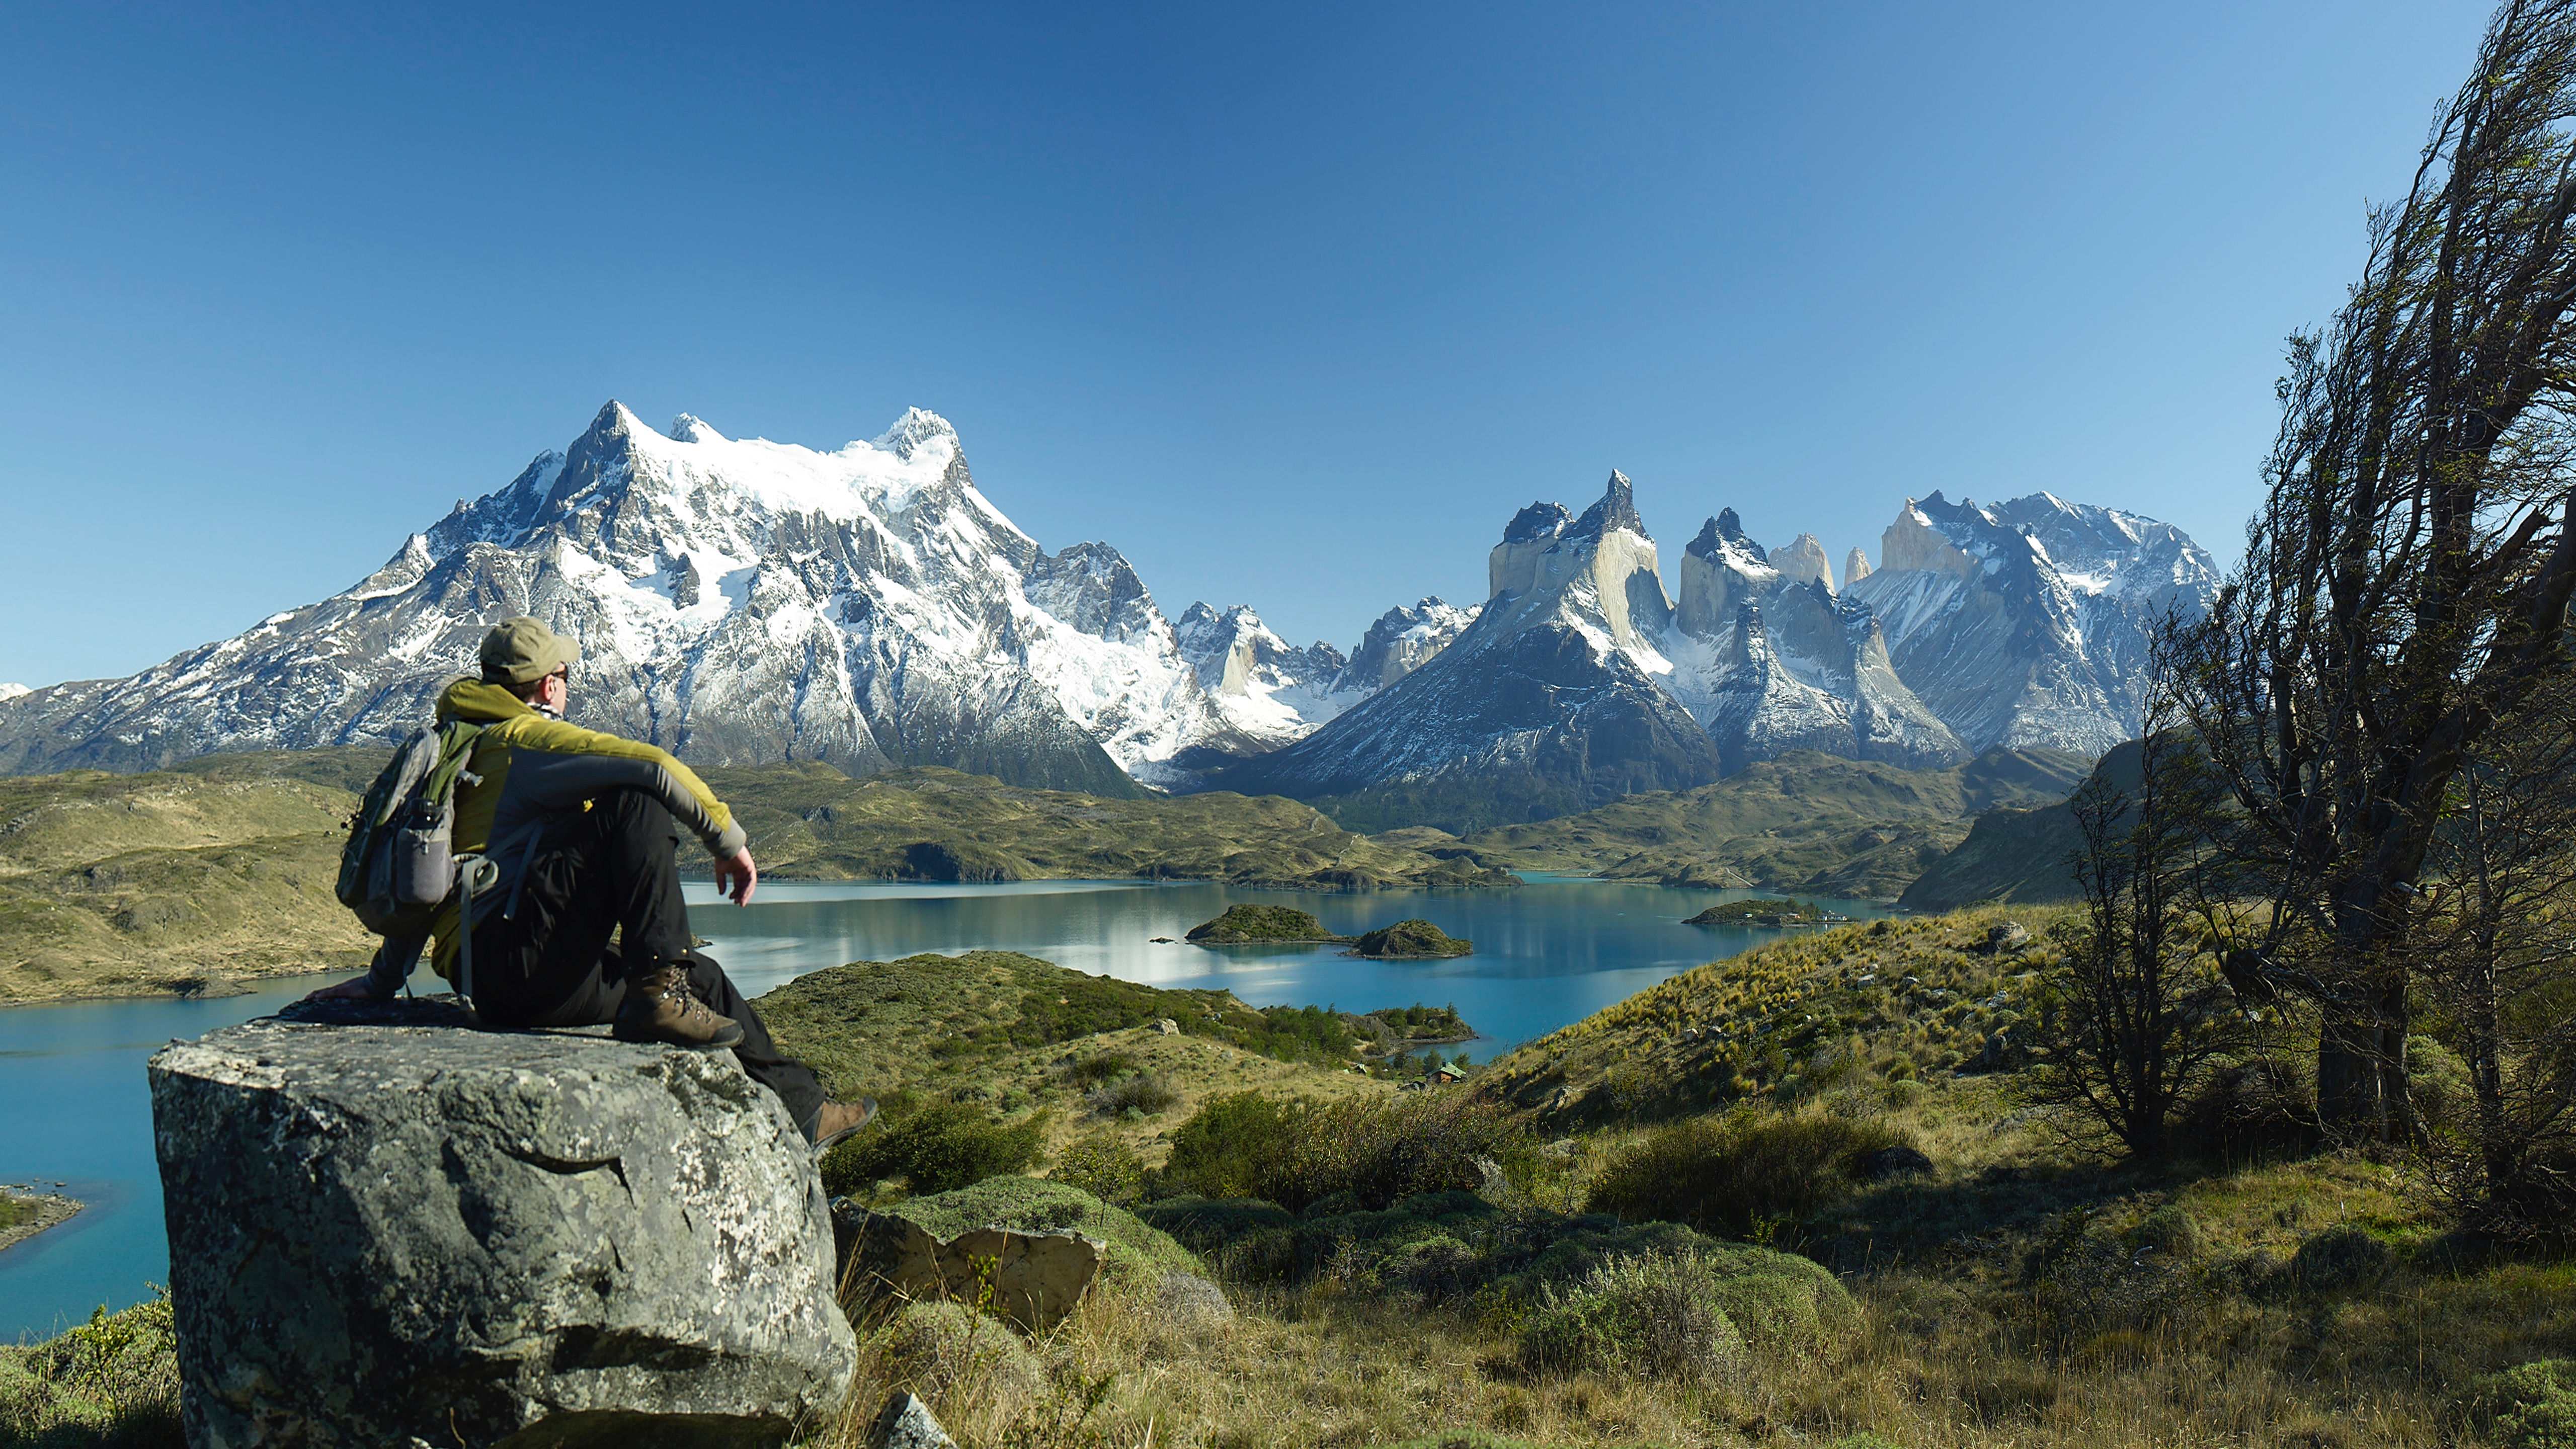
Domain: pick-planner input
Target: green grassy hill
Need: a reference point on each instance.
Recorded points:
(2016, 855)
(1803, 822)
(172, 881)
(1904, 998)
(1027, 1039)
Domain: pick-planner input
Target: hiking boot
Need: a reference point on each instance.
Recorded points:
(659, 1007)
(834, 1121)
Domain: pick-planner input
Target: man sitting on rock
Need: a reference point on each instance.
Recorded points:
(583, 827)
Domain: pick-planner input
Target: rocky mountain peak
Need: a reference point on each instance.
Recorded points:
(690, 428)
(1617, 509)
(1804, 561)
(1718, 533)
(917, 426)
(1403, 640)
(1855, 567)
(1536, 522)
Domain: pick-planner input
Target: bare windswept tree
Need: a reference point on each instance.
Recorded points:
(2138, 1017)
(2406, 583)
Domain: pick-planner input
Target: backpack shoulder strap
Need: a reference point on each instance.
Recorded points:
(455, 744)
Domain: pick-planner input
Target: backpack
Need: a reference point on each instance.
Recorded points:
(400, 862)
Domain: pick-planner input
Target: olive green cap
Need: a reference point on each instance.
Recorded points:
(521, 651)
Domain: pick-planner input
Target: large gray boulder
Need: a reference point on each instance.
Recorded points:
(417, 1234)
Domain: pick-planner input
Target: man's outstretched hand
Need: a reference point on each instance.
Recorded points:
(735, 876)
(345, 991)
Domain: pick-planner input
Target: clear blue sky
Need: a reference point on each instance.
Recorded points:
(1295, 305)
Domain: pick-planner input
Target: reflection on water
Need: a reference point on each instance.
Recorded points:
(1550, 953)
(72, 1079)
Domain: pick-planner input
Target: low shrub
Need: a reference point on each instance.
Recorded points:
(2530, 1407)
(2170, 1230)
(2340, 1260)
(1296, 1153)
(938, 1148)
(1242, 1238)
(2437, 1082)
(1103, 1165)
(2082, 1277)
(1097, 1068)
(1742, 1175)
(1145, 1094)
(1653, 1317)
(110, 1382)
(948, 1351)
(2251, 1108)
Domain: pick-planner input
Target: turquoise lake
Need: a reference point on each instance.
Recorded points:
(1551, 953)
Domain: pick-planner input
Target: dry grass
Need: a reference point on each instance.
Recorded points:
(1930, 1368)
(1953, 1350)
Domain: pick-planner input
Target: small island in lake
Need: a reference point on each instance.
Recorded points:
(1261, 925)
(25, 1213)
(1763, 913)
(1410, 939)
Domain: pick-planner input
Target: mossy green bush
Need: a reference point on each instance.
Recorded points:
(2529, 1407)
(2437, 1082)
(938, 1147)
(1653, 1317)
(1242, 1238)
(1739, 1175)
(1103, 1165)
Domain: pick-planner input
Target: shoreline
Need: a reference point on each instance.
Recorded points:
(52, 1210)
(232, 986)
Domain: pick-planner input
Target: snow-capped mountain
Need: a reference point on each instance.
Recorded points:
(12, 691)
(1769, 660)
(736, 601)
(1580, 679)
(1401, 641)
(2028, 623)
(1259, 683)
(1548, 700)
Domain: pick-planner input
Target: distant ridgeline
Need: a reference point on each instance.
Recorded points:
(745, 602)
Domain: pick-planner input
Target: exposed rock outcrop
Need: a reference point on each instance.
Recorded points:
(1035, 1278)
(416, 1234)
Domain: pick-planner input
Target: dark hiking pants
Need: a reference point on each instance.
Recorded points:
(613, 868)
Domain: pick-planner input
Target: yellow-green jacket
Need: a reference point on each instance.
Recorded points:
(528, 769)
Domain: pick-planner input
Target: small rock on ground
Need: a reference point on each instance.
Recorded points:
(907, 1423)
